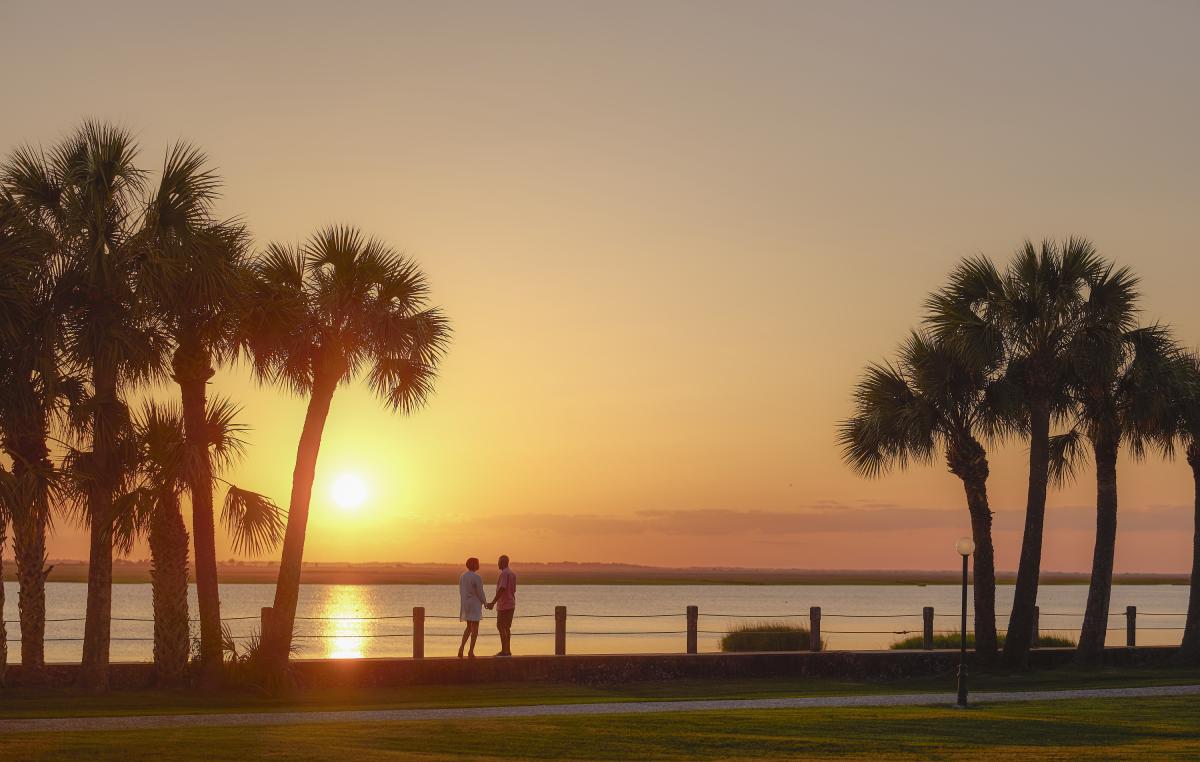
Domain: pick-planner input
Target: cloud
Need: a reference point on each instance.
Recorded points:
(826, 517)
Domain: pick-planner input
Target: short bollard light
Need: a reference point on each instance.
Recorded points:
(965, 547)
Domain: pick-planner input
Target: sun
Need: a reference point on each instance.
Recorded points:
(349, 491)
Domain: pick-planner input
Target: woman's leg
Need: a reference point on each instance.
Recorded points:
(474, 628)
(466, 633)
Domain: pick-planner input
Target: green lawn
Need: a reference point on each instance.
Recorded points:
(14, 703)
(1157, 728)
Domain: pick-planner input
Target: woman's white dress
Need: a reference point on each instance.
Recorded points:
(471, 597)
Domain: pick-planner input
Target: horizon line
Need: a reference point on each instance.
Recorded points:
(632, 565)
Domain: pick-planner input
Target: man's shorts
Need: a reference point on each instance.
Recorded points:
(504, 618)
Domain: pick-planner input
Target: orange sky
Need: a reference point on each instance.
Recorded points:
(669, 236)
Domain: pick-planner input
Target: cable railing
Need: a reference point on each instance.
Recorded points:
(416, 634)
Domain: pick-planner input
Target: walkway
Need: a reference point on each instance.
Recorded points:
(557, 710)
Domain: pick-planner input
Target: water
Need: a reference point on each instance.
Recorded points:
(342, 623)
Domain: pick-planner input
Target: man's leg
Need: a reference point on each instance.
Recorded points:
(506, 636)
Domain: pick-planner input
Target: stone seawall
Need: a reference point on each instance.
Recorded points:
(616, 668)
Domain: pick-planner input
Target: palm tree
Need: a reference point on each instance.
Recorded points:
(5, 477)
(1186, 419)
(932, 400)
(83, 195)
(1033, 311)
(151, 506)
(33, 385)
(1122, 393)
(14, 269)
(200, 284)
(320, 314)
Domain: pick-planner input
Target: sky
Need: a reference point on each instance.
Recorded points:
(669, 236)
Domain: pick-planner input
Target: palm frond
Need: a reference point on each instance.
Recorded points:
(891, 426)
(960, 314)
(337, 305)
(132, 513)
(225, 443)
(1068, 452)
(254, 522)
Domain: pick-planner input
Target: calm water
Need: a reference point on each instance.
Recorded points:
(348, 621)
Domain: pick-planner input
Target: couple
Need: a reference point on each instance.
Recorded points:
(472, 601)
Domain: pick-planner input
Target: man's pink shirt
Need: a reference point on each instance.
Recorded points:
(506, 590)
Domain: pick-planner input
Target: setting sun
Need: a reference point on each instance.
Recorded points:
(349, 491)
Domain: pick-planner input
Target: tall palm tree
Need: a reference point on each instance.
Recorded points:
(4, 479)
(1034, 310)
(151, 506)
(1122, 394)
(320, 315)
(933, 400)
(34, 385)
(15, 267)
(199, 277)
(1186, 418)
(84, 195)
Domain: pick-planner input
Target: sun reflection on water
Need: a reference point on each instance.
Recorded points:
(341, 605)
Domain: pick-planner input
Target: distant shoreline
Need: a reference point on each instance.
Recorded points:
(578, 574)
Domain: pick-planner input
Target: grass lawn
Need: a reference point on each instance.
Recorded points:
(1158, 728)
(18, 703)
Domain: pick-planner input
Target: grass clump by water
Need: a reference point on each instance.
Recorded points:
(767, 636)
(952, 640)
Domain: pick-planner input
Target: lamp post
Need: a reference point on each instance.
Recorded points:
(965, 547)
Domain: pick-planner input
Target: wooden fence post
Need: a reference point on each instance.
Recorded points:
(560, 630)
(1131, 626)
(418, 636)
(693, 621)
(927, 640)
(814, 628)
(1035, 639)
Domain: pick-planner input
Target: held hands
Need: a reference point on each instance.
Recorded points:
(489, 606)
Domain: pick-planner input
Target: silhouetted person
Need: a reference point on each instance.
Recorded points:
(505, 603)
(470, 604)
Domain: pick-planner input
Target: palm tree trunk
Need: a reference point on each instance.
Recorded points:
(192, 371)
(287, 588)
(96, 629)
(984, 568)
(1020, 622)
(168, 575)
(1095, 617)
(98, 617)
(31, 460)
(29, 547)
(3, 629)
(968, 461)
(1189, 650)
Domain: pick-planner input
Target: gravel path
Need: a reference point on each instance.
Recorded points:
(551, 710)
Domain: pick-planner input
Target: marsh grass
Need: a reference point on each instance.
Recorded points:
(767, 636)
(951, 640)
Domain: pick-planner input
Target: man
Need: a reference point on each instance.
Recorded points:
(505, 603)
(470, 604)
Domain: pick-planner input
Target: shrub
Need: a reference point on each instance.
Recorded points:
(767, 636)
(246, 666)
(951, 640)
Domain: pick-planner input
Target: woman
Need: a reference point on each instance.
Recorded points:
(470, 607)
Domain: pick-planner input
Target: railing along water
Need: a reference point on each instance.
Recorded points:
(691, 633)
